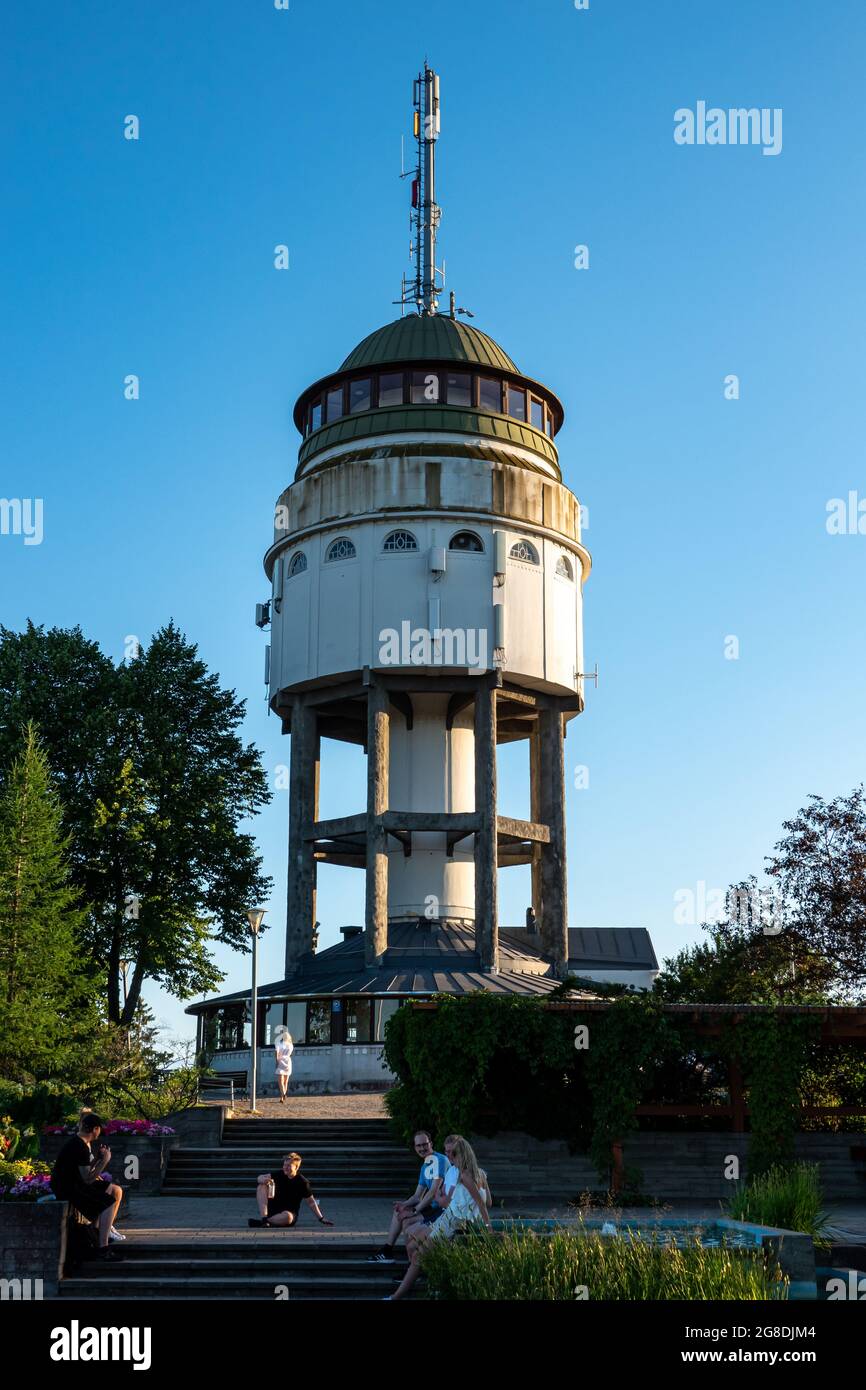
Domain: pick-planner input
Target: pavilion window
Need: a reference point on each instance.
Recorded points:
(335, 403)
(383, 1009)
(548, 422)
(458, 388)
(490, 394)
(296, 1021)
(536, 413)
(516, 403)
(319, 1021)
(358, 1020)
(391, 388)
(315, 415)
(275, 1018)
(360, 395)
(233, 1028)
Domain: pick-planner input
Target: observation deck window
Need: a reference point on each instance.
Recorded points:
(335, 403)
(391, 388)
(458, 386)
(425, 388)
(490, 394)
(360, 395)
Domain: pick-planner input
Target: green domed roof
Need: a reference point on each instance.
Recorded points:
(436, 337)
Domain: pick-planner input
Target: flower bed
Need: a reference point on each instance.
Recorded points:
(144, 1129)
(139, 1154)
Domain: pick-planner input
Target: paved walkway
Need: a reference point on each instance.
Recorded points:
(223, 1219)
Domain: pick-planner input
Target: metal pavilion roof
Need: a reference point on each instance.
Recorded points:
(442, 960)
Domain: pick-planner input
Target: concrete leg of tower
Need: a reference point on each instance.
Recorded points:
(432, 769)
(303, 811)
(535, 815)
(378, 761)
(554, 907)
(486, 907)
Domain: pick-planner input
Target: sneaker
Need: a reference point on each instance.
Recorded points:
(255, 1221)
(114, 1234)
(381, 1257)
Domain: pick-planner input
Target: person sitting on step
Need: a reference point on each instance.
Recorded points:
(75, 1179)
(415, 1222)
(423, 1206)
(279, 1195)
(468, 1204)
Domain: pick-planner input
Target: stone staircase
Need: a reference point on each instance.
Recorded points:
(260, 1269)
(341, 1158)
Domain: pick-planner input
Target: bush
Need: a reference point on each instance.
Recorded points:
(31, 1107)
(788, 1197)
(521, 1266)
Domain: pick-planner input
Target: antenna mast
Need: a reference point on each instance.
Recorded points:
(425, 289)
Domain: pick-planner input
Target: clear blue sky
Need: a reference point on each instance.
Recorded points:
(707, 516)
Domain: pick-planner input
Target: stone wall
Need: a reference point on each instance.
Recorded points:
(675, 1167)
(32, 1247)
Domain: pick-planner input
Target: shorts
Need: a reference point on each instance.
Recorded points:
(90, 1199)
(275, 1207)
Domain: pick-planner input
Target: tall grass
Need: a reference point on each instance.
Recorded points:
(523, 1265)
(788, 1196)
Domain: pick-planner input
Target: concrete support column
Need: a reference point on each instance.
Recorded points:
(486, 908)
(378, 758)
(535, 815)
(303, 811)
(554, 906)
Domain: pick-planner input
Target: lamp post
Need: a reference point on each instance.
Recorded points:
(254, 916)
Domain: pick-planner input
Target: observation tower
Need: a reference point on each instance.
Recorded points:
(427, 573)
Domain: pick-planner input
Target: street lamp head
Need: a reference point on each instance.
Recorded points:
(255, 916)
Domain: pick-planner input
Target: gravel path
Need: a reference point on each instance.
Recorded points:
(361, 1106)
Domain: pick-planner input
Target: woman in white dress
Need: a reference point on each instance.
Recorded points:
(468, 1202)
(283, 1049)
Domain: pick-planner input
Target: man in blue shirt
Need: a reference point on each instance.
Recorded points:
(423, 1201)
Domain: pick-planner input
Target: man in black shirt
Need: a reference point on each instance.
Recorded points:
(75, 1178)
(289, 1190)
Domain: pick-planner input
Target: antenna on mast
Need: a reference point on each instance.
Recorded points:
(424, 289)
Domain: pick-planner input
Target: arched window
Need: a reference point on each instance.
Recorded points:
(340, 549)
(466, 540)
(563, 568)
(522, 550)
(298, 564)
(400, 541)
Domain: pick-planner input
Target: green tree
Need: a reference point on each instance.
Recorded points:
(48, 1008)
(742, 964)
(155, 791)
(820, 869)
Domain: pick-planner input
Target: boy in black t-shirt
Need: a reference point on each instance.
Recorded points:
(75, 1178)
(290, 1189)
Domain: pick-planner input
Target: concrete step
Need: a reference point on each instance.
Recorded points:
(325, 1187)
(240, 1285)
